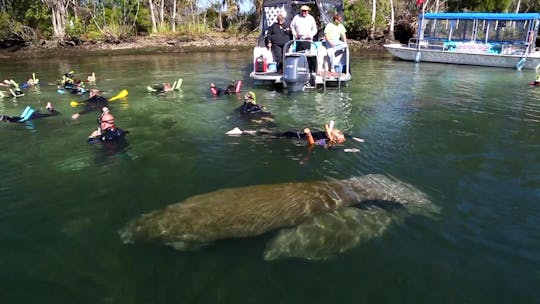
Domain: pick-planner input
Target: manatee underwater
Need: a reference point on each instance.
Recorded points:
(316, 219)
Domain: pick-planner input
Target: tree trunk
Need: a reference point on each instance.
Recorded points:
(162, 13)
(173, 18)
(58, 16)
(391, 35)
(152, 16)
(373, 15)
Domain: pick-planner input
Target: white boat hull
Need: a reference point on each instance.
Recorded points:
(272, 78)
(440, 56)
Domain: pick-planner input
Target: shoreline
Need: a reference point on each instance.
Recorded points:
(152, 45)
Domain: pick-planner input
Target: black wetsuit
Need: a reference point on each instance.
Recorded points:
(231, 89)
(109, 135)
(35, 115)
(279, 35)
(251, 109)
(94, 103)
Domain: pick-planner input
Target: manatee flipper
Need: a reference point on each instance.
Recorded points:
(326, 235)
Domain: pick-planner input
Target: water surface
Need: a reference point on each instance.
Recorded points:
(466, 136)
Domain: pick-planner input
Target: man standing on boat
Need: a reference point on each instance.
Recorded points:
(303, 27)
(335, 39)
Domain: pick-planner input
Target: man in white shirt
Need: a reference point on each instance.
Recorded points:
(303, 27)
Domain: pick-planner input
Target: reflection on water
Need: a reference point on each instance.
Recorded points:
(466, 136)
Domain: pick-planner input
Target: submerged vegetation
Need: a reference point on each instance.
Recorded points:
(75, 22)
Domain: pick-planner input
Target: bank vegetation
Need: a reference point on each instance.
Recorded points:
(79, 22)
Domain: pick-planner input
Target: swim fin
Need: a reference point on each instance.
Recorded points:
(150, 89)
(27, 115)
(28, 108)
(178, 84)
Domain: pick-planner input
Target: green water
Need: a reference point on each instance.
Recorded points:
(469, 137)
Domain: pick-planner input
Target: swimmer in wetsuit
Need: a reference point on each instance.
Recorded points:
(250, 108)
(328, 138)
(95, 102)
(30, 114)
(233, 88)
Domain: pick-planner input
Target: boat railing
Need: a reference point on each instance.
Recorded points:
(315, 51)
(426, 44)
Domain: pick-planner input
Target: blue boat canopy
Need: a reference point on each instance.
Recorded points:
(483, 16)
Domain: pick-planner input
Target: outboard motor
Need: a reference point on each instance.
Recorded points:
(296, 72)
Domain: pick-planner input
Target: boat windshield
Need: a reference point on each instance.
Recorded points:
(485, 31)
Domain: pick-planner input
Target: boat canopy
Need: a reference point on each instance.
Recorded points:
(483, 16)
(289, 8)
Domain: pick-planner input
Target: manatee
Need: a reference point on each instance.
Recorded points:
(254, 210)
(325, 235)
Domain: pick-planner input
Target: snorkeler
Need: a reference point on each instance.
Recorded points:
(250, 107)
(328, 138)
(29, 114)
(233, 88)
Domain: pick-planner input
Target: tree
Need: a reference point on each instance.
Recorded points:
(58, 16)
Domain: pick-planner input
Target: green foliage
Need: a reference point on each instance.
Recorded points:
(357, 18)
(193, 30)
(479, 5)
(75, 28)
(143, 22)
(5, 25)
(117, 32)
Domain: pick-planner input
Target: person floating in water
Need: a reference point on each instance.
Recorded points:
(29, 114)
(163, 88)
(536, 81)
(95, 102)
(328, 138)
(107, 131)
(233, 88)
(31, 82)
(14, 88)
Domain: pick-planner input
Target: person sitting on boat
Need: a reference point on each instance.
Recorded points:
(233, 88)
(95, 102)
(29, 114)
(278, 35)
(107, 131)
(335, 39)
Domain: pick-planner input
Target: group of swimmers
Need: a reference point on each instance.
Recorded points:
(107, 131)
(328, 138)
